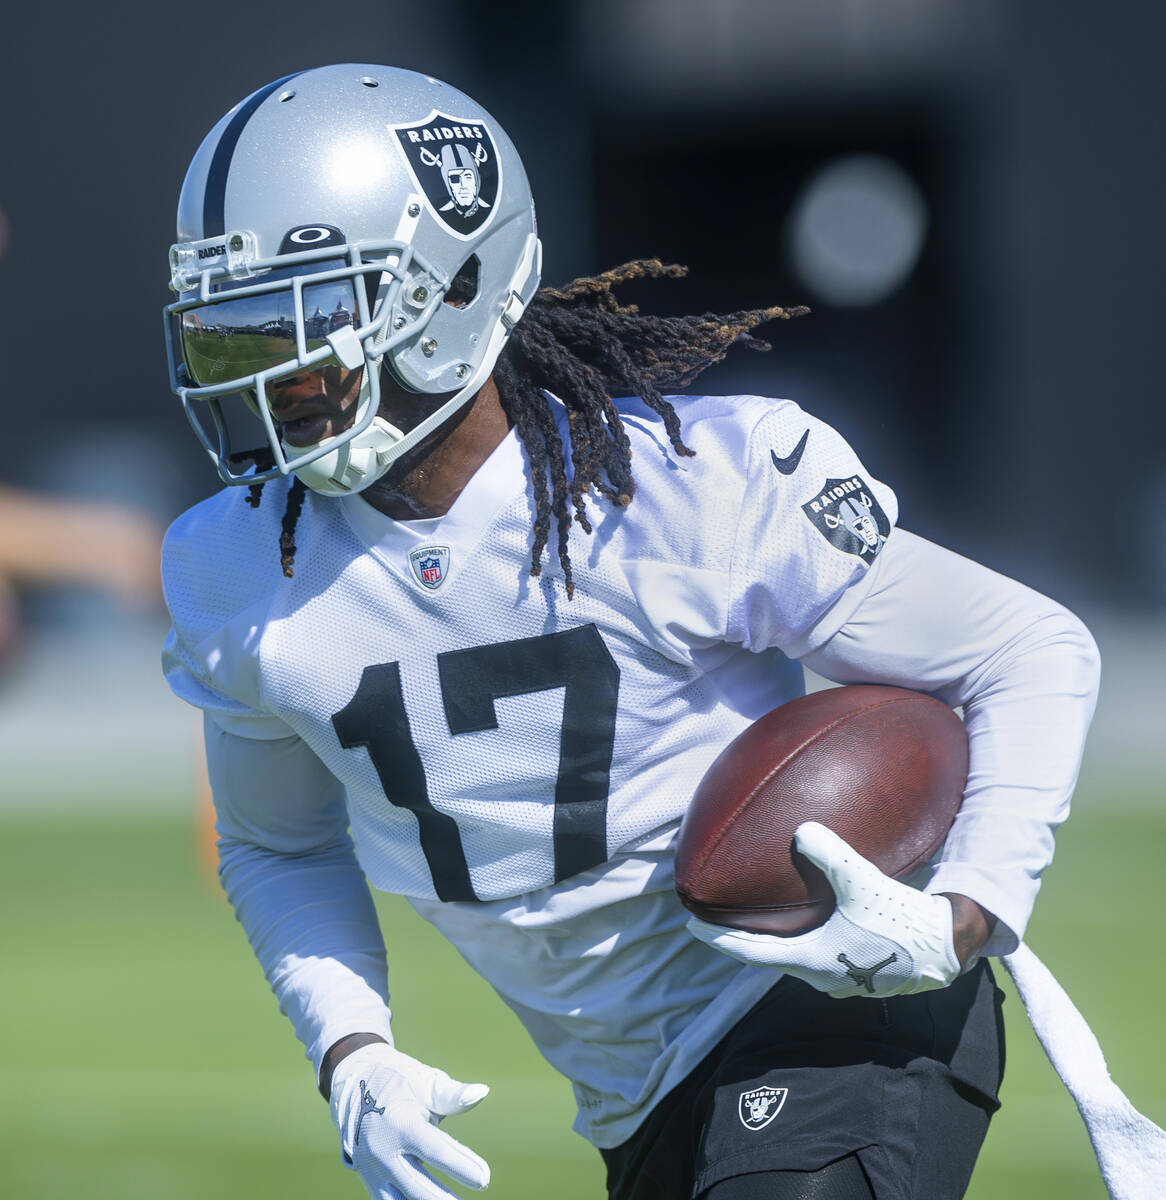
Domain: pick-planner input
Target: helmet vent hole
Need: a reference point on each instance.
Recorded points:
(286, 96)
(368, 81)
(464, 288)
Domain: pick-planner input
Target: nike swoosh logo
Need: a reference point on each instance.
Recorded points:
(789, 464)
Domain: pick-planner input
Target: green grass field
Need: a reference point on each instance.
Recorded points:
(141, 1055)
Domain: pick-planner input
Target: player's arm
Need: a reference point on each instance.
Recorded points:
(1025, 671)
(288, 868)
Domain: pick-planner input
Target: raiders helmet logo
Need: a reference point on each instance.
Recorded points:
(849, 517)
(455, 163)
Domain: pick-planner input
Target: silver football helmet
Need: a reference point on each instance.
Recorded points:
(345, 215)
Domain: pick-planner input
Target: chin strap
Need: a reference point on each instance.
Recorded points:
(354, 464)
(1130, 1148)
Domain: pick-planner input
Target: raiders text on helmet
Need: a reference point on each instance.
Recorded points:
(324, 220)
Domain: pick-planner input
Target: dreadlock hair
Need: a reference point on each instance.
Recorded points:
(584, 346)
(264, 460)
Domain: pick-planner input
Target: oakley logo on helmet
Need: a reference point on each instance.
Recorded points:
(310, 237)
(849, 517)
(455, 163)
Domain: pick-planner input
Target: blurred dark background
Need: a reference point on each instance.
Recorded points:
(968, 196)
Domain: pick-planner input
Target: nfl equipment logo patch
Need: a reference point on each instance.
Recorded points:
(455, 163)
(430, 565)
(758, 1107)
(846, 513)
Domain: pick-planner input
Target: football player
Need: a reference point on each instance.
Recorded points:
(477, 609)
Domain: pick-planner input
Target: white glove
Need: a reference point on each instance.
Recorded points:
(883, 939)
(387, 1106)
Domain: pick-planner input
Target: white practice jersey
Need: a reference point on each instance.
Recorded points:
(517, 763)
(494, 737)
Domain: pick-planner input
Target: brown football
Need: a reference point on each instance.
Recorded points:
(883, 767)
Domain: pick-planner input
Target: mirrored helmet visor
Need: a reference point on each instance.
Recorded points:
(233, 339)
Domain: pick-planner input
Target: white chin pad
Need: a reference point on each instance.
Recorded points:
(354, 464)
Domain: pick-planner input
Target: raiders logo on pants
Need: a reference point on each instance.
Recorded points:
(854, 1098)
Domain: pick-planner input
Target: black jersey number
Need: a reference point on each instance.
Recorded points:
(471, 680)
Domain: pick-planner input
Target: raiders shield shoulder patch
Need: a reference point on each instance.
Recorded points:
(847, 515)
(455, 163)
(758, 1107)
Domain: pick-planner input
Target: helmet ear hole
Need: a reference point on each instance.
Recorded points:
(464, 287)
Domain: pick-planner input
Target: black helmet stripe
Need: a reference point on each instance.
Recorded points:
(216, 180)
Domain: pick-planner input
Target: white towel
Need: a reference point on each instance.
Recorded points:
(1130, 1148)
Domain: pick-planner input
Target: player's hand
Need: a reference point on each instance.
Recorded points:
(883, 939)
(387, 1106)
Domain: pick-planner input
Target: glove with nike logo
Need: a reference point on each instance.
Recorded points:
(387, 1106)
(883, 939)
